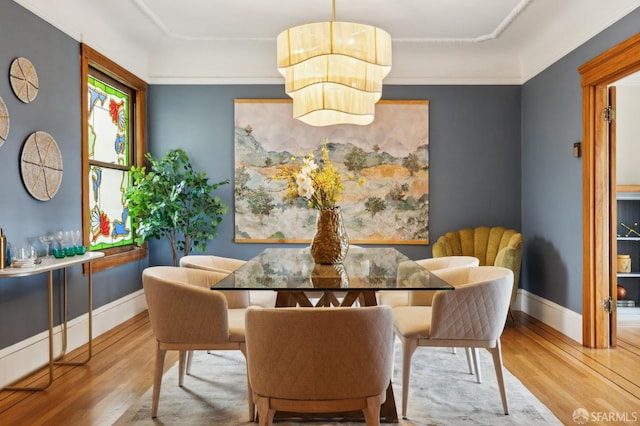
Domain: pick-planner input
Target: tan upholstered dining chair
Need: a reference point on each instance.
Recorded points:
(319, 360)
(472, 315)
(406, 275)
(186, 315)
(211, 262)
(222, 266)
(227, 265)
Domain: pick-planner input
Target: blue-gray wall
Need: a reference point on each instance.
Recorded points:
(499, 155)
(552, 177)
(474, 171)
(56, 110)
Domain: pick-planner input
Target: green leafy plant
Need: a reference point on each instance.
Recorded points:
(172, 200)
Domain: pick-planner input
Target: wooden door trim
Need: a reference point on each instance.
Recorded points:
(613, 199)
(617, 62)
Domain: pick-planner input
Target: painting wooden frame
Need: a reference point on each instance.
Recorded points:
(392, 173)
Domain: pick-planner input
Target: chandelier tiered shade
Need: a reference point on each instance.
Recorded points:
(333, 71)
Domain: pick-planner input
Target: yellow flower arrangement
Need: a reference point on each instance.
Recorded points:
(320, 184)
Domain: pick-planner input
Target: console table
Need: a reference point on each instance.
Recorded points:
(49, 265)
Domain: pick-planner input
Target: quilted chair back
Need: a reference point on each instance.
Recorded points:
(424, 298)
(211, 263)
(221, 265)
(435, 263)
(496, 246)
(313, 354)
(183, 310)
(477, 309)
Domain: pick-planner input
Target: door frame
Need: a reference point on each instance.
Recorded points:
(597, 192)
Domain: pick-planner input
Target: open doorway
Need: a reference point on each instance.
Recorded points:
(599, 215)
(625, 142)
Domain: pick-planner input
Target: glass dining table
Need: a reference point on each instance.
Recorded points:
(299, 281)
(292, 273)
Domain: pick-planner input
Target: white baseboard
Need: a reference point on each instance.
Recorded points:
(558, 317)
(23, 357)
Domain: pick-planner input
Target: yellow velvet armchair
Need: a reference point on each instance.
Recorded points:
(497, 246)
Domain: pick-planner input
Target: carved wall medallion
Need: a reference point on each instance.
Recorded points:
(41, 166)
(4, 122)
(24, 79)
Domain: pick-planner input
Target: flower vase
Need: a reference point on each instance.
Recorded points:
(331, 243)
(329, 276)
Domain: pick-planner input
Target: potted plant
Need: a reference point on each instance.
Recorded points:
(172, 200)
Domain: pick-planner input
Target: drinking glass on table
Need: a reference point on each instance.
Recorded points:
(59, 246)
(60, 237)
(47, 240)
(77, 242)
(76, 237)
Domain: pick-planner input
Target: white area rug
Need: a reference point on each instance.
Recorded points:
(442, 392)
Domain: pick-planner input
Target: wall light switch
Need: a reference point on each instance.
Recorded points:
(577, 149)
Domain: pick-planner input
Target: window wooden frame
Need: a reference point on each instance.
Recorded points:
(89, 58)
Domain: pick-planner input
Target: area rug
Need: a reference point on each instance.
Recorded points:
(442, 393)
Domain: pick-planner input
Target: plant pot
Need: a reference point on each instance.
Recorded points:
(331, 243)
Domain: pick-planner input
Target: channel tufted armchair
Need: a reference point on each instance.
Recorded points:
(496, 246)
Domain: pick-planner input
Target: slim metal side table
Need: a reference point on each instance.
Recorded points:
(49, 265)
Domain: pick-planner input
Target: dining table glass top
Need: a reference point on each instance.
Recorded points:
(364, 268)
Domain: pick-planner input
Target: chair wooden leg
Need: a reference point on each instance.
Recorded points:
(497, 363)
(372, 412)
(181, 367)
(467, 352)
(157, 380)
(408, 348)
(251, 402)
(393, 355)
(476, 364)
(189, 359)
(252, 405)
(265, 414)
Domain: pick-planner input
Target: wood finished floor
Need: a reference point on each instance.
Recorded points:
(560, 372)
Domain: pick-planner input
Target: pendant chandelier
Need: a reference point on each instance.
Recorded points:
(333, 70)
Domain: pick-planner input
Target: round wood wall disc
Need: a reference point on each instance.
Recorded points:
(24, 79)
(41, 166)
(4, 122)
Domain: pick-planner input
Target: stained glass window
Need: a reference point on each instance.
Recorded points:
(108, 128)
(108, 123)
(114, 140)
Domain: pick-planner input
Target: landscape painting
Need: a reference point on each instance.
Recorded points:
(384, 168)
